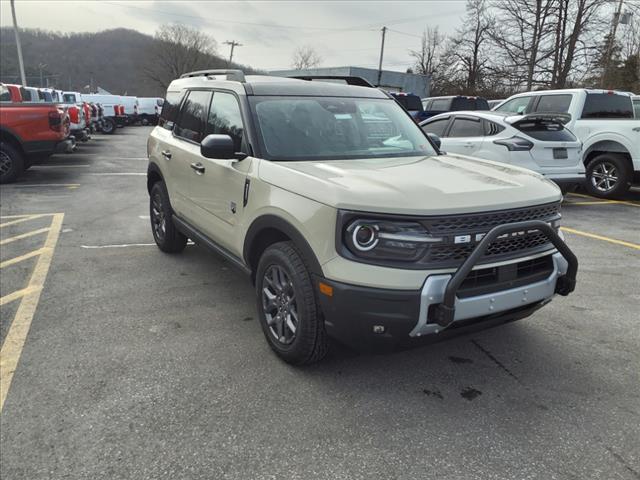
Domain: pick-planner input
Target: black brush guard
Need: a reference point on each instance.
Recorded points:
(444, 312)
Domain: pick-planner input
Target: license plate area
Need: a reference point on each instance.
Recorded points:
(560, 154)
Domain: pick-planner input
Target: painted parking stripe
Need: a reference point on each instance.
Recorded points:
(17, 334)
(26, 256)
(35, 185)
(597, 201)
(124, 245)
(20, 220)
(16, 295)
(600, 237)
(23, 235)
(124, 174)
(38, 167)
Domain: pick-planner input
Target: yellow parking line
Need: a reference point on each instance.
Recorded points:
(20, 220)
(16, 295)
(600, 237)
(620, 202)
(23, 235)
(604, 202)
(15, 260)
(17, 334)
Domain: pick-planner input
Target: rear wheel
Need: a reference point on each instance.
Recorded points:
(165, 233)
(11, 163)
(608, 176)
(108, 126)
(289, 314)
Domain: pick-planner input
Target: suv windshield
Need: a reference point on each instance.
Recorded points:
(334, 128)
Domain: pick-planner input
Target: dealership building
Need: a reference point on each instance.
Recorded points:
(389, 80)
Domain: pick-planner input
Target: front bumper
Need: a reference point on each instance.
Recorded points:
(371, 318)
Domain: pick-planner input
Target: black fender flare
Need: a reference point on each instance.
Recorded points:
(153, 170)
(13, 137)
(270, 221)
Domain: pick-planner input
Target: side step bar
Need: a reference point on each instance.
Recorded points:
(444, 313)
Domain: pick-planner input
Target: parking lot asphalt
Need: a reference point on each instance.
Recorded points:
(140, 365)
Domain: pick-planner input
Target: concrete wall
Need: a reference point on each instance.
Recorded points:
(389, 80)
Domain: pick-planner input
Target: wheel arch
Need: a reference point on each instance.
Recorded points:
(8, 136)
(605, 146)
(153, 175)
(269, 229)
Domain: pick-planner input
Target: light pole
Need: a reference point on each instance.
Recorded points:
(40, 67)
(15, 29)
(233, 44)
(384, 31)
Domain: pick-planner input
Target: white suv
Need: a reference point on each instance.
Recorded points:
(603, 120)
(345, 216)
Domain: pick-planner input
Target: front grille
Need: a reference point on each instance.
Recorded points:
(451, 254)
(486, 221)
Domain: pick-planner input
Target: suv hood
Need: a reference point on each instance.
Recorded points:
(434, 185)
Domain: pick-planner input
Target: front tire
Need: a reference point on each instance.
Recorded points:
(608, 176)
(165, 233)
(12, 163)
(287, 307)
(108, 126)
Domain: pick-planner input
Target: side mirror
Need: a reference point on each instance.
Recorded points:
(435, 139)
(220, 147)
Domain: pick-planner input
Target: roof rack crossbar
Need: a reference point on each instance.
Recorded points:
(348, 79)
(233, 75)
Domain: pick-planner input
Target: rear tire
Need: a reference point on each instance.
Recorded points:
(108, 126)
(11, 163)
(287, 307)
(608, 176)
(165, 233)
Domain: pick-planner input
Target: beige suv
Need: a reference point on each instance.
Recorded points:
(346, 216)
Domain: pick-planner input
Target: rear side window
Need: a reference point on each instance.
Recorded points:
(466, 127)
(440, 105)
(492, 128)
(170, 109)
(225, 118)
(409, 102)
(482, 104)
(5, 95)
(606, 105)
(517, 105)
(554, 103)
(193, 116)
(69, 98)
(436, 127)
(636, 108)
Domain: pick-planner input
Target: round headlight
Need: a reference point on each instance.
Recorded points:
(365, 237)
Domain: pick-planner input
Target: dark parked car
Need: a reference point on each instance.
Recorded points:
(435, 105)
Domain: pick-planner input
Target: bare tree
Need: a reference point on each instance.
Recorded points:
(305, 57)
(523, 33)
(466, 56)
(576, 24)
(428, 57)
(179, 49)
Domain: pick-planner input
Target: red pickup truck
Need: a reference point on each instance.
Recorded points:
(29, 131)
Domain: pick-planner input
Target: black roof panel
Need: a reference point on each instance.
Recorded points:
(293, 87)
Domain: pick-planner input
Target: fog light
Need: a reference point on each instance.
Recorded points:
(378, 329)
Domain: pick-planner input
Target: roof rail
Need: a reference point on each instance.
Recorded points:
(349, 80)
(233, 75)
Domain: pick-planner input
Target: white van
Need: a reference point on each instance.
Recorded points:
(149, 109)
(112, 110)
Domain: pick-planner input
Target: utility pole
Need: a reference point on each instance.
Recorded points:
(233, 44)
(612, 39)
(384, 31)
(40, 67)
(15, 29)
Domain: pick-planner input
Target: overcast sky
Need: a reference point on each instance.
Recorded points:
(343, 32)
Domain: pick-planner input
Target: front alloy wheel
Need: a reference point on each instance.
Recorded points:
(158, 217)
(279, 305)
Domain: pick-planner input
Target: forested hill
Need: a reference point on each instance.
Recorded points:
(116, 60)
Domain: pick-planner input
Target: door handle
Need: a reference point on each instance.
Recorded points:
(166, 154)
(198, 168)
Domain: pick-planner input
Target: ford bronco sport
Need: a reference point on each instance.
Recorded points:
(347, 218)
